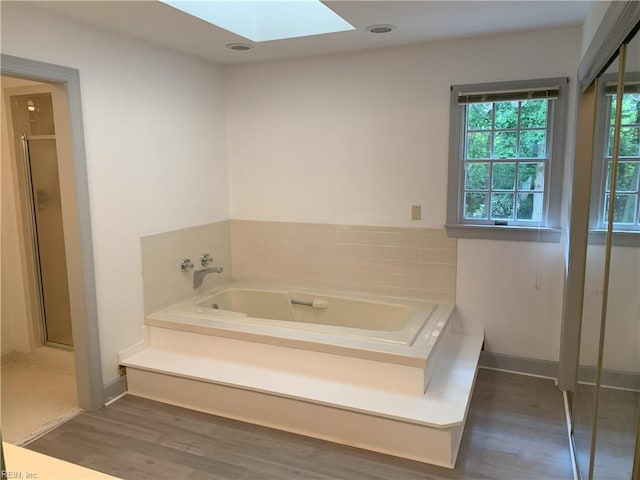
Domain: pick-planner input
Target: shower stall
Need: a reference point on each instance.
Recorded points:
(35, 146)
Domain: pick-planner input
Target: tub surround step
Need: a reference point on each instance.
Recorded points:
(443, 405)
(440, 407)
(268, 357)
(425, 427)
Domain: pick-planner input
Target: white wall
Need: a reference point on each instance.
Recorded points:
(595, 15)
(155, 143)
(622, 331)
(514, 291)
(5, 327)
(13, 312)
(358, 138)
(5, 195)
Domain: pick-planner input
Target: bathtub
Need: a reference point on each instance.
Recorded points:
(363, 370)
(396, 330)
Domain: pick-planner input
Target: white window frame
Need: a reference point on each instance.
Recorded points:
(624, 234)
(548, 228)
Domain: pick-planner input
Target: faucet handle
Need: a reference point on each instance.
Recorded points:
(206, 259)
(186, 265)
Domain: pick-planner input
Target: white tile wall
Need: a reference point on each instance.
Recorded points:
(163, 282)
(408, 262)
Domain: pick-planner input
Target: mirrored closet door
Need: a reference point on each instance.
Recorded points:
(606, 399)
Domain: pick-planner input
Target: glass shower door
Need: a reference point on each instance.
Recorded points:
(50, 240)
(33, 118)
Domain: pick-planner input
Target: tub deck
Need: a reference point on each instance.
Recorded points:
(443, 407)
(407, 400)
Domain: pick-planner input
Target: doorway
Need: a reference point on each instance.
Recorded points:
(36, 315)
(20, 297)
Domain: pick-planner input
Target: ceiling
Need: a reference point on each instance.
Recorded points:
(416, 21)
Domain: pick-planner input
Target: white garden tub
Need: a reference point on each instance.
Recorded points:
(392, 329)
(387, 374)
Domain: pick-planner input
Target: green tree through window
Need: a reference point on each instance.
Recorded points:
(504, 160)
(626, 205)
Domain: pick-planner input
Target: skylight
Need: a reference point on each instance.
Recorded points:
(264, 20)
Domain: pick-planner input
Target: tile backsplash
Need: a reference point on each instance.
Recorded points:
(407, 262)
(163, 282)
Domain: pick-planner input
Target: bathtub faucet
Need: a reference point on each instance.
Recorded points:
(198, 275)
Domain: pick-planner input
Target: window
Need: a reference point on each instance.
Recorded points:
(506, 159)
(626, 210)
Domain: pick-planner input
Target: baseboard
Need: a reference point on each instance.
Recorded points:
(527, 366)
(115, 388)
(545, 368)
(610, 378)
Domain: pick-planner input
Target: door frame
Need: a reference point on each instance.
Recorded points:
(77, 229)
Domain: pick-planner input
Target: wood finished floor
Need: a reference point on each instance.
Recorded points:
(515, 430)
(617, 424)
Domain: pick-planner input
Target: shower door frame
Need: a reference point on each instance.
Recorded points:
(77, 227)
(41, 317)
(34, 288)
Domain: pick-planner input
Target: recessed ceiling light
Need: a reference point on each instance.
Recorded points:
(239, 46)
(381, 28)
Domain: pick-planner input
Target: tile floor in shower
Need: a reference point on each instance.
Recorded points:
(35, 400)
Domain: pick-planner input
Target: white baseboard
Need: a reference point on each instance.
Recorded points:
(522, 365)
(115, 389)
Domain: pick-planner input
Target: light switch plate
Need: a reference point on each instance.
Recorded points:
(416, 212)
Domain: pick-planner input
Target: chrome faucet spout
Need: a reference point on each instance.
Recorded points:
(198, 275)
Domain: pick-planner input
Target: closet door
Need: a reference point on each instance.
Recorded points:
(583, 399)
(618, 382)
(606, 401)
(591, 137)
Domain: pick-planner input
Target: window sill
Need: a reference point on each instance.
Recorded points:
(500, 232)
(619, 239)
